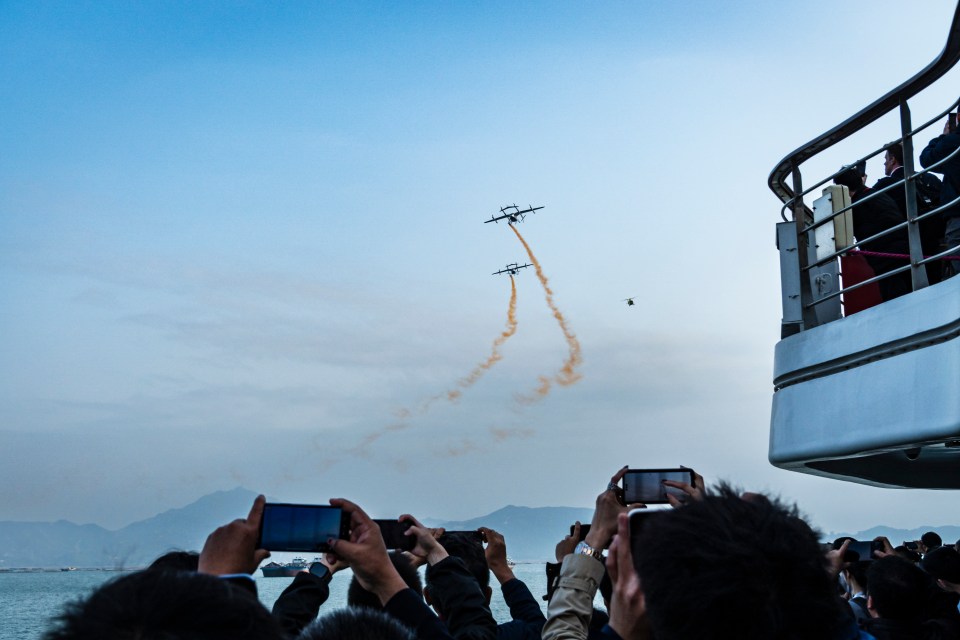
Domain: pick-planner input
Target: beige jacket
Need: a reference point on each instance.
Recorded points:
(570, 609)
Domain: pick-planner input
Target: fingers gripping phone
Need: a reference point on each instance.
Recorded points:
(584, 530)
(393, 532)
(638, 519)
(862, 550)
(301, 527)
(646, 485)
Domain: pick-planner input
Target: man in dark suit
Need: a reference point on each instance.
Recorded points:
(941, 148)
(931, 229)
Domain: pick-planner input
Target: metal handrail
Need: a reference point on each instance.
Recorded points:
(879, 108)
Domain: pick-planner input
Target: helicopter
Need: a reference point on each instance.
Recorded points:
(516, 215)
(629, 301)
(511, 268)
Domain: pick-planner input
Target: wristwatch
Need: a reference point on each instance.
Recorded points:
(584, 549)
(319, 569)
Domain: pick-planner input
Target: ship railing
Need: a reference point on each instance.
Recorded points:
(801, 268)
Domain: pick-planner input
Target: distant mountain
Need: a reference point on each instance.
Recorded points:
(531, 533)
(62, 543)
(949, 534)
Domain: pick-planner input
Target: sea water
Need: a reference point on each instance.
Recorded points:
(29, 600)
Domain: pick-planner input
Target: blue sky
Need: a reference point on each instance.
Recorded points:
(237, 238)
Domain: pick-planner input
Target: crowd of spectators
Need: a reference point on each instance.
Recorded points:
(880, 208)
(718, 564)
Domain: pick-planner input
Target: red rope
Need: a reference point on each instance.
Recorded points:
(880, 254)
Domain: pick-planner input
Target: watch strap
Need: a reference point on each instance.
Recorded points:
(583, 548)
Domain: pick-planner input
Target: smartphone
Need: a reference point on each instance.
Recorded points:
(393, 534)
(584, 530)
(301, 527)
(473, 537)
(912, 545)
(952, 122)
(638, 520)
(646, 485)
(862, 550)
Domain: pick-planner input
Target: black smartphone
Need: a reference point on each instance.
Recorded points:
(912, 545)
(584, 530)
(646, 485)
(473, 537)
(301, 527)
(638, 519)
(952, 122)
(862, 550)
(393, 534)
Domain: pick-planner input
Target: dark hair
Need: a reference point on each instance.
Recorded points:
(943, 563)
(899, 589)
(931, 540)
(470, 550)
(357, 596)
(154, 605)
(357, 624)
(907, 553)
(728, 567)
(851, 178)
(858, 571)
(176, 561)
(896, 150)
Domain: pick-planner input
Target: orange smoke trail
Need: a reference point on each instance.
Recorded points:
(454, 394)
(495, 355)
(568, 374)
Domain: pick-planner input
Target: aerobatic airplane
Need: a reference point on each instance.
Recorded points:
(511, 268)
(512, 214)
(629, 301)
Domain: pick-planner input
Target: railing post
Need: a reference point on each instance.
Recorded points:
(918, 272)
(803, 250)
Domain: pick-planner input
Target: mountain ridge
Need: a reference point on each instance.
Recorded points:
(531, 533)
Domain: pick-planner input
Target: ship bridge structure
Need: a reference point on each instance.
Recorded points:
(865, 390)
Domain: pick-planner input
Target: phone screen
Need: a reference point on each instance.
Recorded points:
(472, 537)
(863, 550)
(646, 485)
(393, 534)
(300, 527)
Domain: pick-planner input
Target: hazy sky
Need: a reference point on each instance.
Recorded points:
(239, 242)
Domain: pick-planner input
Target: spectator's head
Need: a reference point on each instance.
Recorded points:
(839, 541)
(176, 561)
(731, 567)
(470, 550)
(892, 158)
(851, 178)
(907, 553)
(861, 168)
(930, 541)
(856, 575)
(357, 624)
(166, 605)
(943, 565)
(899, 590)
(357, 596)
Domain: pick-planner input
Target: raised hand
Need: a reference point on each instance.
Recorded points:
(366, 553)
(232, 547)
(496, 554)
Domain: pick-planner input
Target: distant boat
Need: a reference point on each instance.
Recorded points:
(68, 568)
(511, 562)
(288, 570)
